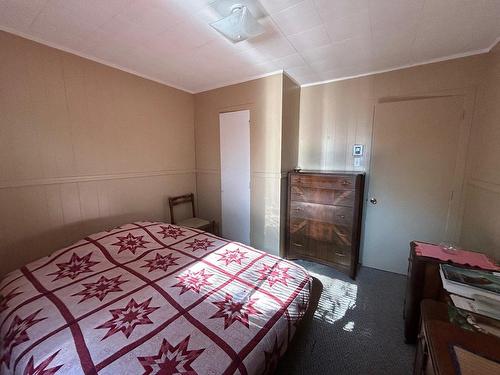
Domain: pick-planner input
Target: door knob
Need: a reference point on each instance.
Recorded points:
(373, 200)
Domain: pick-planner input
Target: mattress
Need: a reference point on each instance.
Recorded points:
(151, 298)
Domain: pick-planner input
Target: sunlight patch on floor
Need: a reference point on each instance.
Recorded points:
(349, 327)
(337, 298)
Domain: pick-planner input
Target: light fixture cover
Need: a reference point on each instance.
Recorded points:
(239, 25)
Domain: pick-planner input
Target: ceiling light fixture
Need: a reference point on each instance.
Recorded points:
(238, 24)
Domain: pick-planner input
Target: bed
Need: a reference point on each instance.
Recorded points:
(151, 298)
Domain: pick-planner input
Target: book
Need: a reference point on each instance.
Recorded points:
(469, 282)
(482, 305)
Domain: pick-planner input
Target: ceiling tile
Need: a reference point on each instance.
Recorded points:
(53, 20)
(290, 61)
(447, 29)
(95, 12)
(154, 18)
(300, 71)
(297, 18)
(19, 14)
(331, 9)
(252, 56)
(274, 48)
(349, 71)
(351, 52)
(395, 12)
(274, 6)
(357, 24)
(391, 49)
(312, 38)
(121, 29)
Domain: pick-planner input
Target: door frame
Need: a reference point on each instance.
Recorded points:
(231, 109)
(463, 166)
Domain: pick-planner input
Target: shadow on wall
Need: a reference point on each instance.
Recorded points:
(46, 242)
(269, 153)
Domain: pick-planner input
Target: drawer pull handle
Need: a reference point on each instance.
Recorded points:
(345, 182)
(341, 216)
(297, 244)
(297, 209)
(339, 254)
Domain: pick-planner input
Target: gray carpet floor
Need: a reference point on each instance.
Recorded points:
(357, 327)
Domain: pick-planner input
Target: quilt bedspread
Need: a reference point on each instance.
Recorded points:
(151, 298)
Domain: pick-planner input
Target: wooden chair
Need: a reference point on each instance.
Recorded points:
(192, 222)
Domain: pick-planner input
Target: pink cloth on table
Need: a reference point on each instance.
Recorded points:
(463, 257)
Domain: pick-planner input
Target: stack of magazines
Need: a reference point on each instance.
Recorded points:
(477, 291)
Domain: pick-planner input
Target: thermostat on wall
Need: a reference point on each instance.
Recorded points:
(357, 150)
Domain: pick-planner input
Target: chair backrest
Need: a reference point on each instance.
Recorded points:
(174, 201)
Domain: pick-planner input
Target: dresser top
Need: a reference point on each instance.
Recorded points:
(309, 171)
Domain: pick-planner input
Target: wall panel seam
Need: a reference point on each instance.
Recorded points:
(88, 178)
(485, 185)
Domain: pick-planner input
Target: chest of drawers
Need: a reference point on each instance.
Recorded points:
(324, 218)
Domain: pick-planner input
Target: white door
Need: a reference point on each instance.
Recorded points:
(415, 178)
(235, 175)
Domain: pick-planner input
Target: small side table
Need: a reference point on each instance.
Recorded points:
(424, 281)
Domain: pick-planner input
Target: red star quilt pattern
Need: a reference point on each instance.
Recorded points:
(5, 300)
(16, 335)
(161, 262)
(235, 311)
(130, 243)
(127, 318)
(171, 359)
(151, 298)
(193, 280)
(75, 267)
(101, 288)
(43, 367)
(232, 256)
(197, 244)
(171, 231)
(275, 274)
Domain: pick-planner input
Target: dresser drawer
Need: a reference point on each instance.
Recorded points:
(323, 196)
(332, 254)
(324, 182)
(340, 236)
(323, 213)
(299, 245)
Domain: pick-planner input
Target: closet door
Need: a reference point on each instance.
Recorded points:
(235, 175)
(416, 178)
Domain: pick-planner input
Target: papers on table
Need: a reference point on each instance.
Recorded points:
(489, 309)
(472, 290)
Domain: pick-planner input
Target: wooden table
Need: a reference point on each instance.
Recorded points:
(424, 282)
(440, 342)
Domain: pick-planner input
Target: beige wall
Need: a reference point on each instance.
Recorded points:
(289, 144)
(481, 225)
(263, 97)
(336, 115)
(290, 125)
(83, 147)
